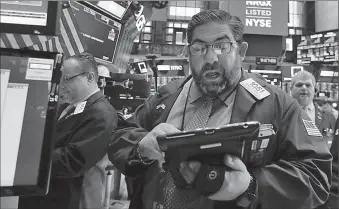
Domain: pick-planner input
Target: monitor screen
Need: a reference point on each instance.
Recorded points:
(27, 120)
(102, 35)
(131, 86)
(29, 17)
(116, 8)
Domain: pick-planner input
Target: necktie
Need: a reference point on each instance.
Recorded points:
(177, 198)
(200, 118)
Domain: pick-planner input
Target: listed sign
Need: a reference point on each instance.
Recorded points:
(260, 17)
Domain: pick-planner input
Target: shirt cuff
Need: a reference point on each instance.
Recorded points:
(249, 199)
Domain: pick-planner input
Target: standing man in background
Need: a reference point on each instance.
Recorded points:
(220, 92)
(83, 130)
(303, 90)
(327, 106)
(103, 75)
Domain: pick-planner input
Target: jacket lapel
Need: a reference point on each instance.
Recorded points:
(165, 103)
(243, 101)
(164, 106)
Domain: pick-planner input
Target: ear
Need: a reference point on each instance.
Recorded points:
(242, 50)
(91, 77)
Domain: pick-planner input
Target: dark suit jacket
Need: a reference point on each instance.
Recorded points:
(80, 142)
(325, 122)
(301, 164)
(333, 199)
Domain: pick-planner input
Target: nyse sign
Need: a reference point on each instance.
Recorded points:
(260, 17)
(258, 13)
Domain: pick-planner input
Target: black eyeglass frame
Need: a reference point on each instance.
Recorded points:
(212, 45)
(67, 79)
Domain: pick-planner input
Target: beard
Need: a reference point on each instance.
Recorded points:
(213, 87)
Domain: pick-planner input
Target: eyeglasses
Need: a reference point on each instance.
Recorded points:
(67, 79)
(219, 48)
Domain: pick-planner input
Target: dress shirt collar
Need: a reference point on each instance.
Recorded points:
(310, 107)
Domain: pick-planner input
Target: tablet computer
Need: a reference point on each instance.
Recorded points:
(229, 138)
(247, 140)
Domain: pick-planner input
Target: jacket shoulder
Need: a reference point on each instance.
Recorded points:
(101, 108)
(172, 86)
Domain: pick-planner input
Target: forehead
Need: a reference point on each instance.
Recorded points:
(212, 31)
(304, 80)
(70, 65)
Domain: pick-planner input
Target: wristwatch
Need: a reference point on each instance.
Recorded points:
(249, 197)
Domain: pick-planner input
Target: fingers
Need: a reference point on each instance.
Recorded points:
(234, 162)
(189, 170)
(166, 128)
(195, 166)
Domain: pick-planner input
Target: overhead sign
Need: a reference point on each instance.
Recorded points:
(258, 14)
(170, 67)
(266, 60)
(260, 17)
(161, 49)
(134, 20)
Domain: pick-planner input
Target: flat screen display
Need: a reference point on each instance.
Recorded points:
(29, 17)
(24, 12)
(100, 31)
(116, 8)
(27, 121)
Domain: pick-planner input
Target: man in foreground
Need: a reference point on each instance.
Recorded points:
(220, 92)
(83, 130)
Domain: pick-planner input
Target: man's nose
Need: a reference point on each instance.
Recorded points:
(211, 56)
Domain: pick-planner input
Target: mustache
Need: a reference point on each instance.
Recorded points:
(208, 66)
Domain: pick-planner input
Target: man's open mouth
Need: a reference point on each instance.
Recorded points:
(212, 74)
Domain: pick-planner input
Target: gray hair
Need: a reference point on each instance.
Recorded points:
(86, 63)
(219, 16)
(303, 75)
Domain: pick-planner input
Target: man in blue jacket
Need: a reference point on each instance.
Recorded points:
(220, 90)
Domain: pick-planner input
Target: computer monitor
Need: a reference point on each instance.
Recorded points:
(100, 30)
(30, 17)
(116, 8)
(29, 83)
